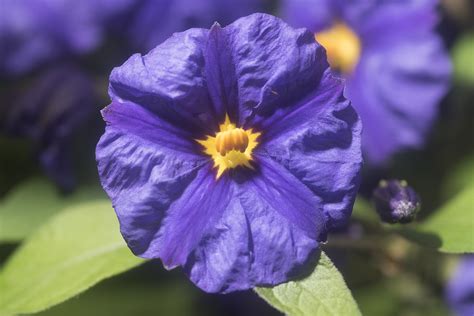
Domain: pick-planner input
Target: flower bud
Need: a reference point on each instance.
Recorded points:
(396, 202)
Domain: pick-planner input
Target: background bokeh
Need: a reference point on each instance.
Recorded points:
(55, 58)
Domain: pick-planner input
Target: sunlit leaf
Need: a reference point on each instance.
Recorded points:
(451, 228)
(31, 203)
(322, 293)
(70, 253)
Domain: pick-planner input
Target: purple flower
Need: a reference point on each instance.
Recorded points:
(230, 152)
(153, 21)
(50, 113)
(460, 289)
(36, 31)
(396, 202)
(395, 65)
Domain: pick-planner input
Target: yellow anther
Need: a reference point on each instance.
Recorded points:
(342, 45)
(235, 139)
(231, 147)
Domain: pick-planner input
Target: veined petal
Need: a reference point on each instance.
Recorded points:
(275, 65)
(131, 118)
(220, 74)
(322, 150)
(143, 178)
(272, 224)
(190, 217)
(169, 81)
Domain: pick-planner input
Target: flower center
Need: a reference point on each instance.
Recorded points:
(230, 147)
(342, 46)
(234, 139)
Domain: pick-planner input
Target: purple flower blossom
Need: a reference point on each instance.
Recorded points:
(230, 152)
(50, 113)
(460, 289)
(395, 65)
(36, 31)
(153, 21)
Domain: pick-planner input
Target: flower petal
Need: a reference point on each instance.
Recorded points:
(315, 15)
(275, 65)
(460, 288)
(368, 18)
(131, 118)
(142, 173)
(320, 145)
(384, 20)
(190, 217)
(169, 81)
(265, 236)
(399, 107)
(220, 75)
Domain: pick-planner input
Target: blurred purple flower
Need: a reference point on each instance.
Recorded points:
(396, 67)
(230, 152)
(153, 21)
(36, 31)
(49, 113)
(460, 289)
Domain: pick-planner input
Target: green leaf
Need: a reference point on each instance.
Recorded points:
(461, 177)
(70, 253)
(33, 202)
(450, 229)
(462, 57)
(322, 293)
(130, 298)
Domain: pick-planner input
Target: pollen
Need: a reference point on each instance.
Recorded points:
(231, 147)
(342, 45)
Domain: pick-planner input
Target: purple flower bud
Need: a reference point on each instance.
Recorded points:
(396, 202)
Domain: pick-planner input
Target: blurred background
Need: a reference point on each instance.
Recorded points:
(55, 59)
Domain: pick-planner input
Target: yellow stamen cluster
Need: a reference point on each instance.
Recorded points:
(235, 139)
(342, 45)
(230, 147)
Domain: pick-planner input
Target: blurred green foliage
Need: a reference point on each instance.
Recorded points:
(70, 253)
(32, 202)
(463, 59)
